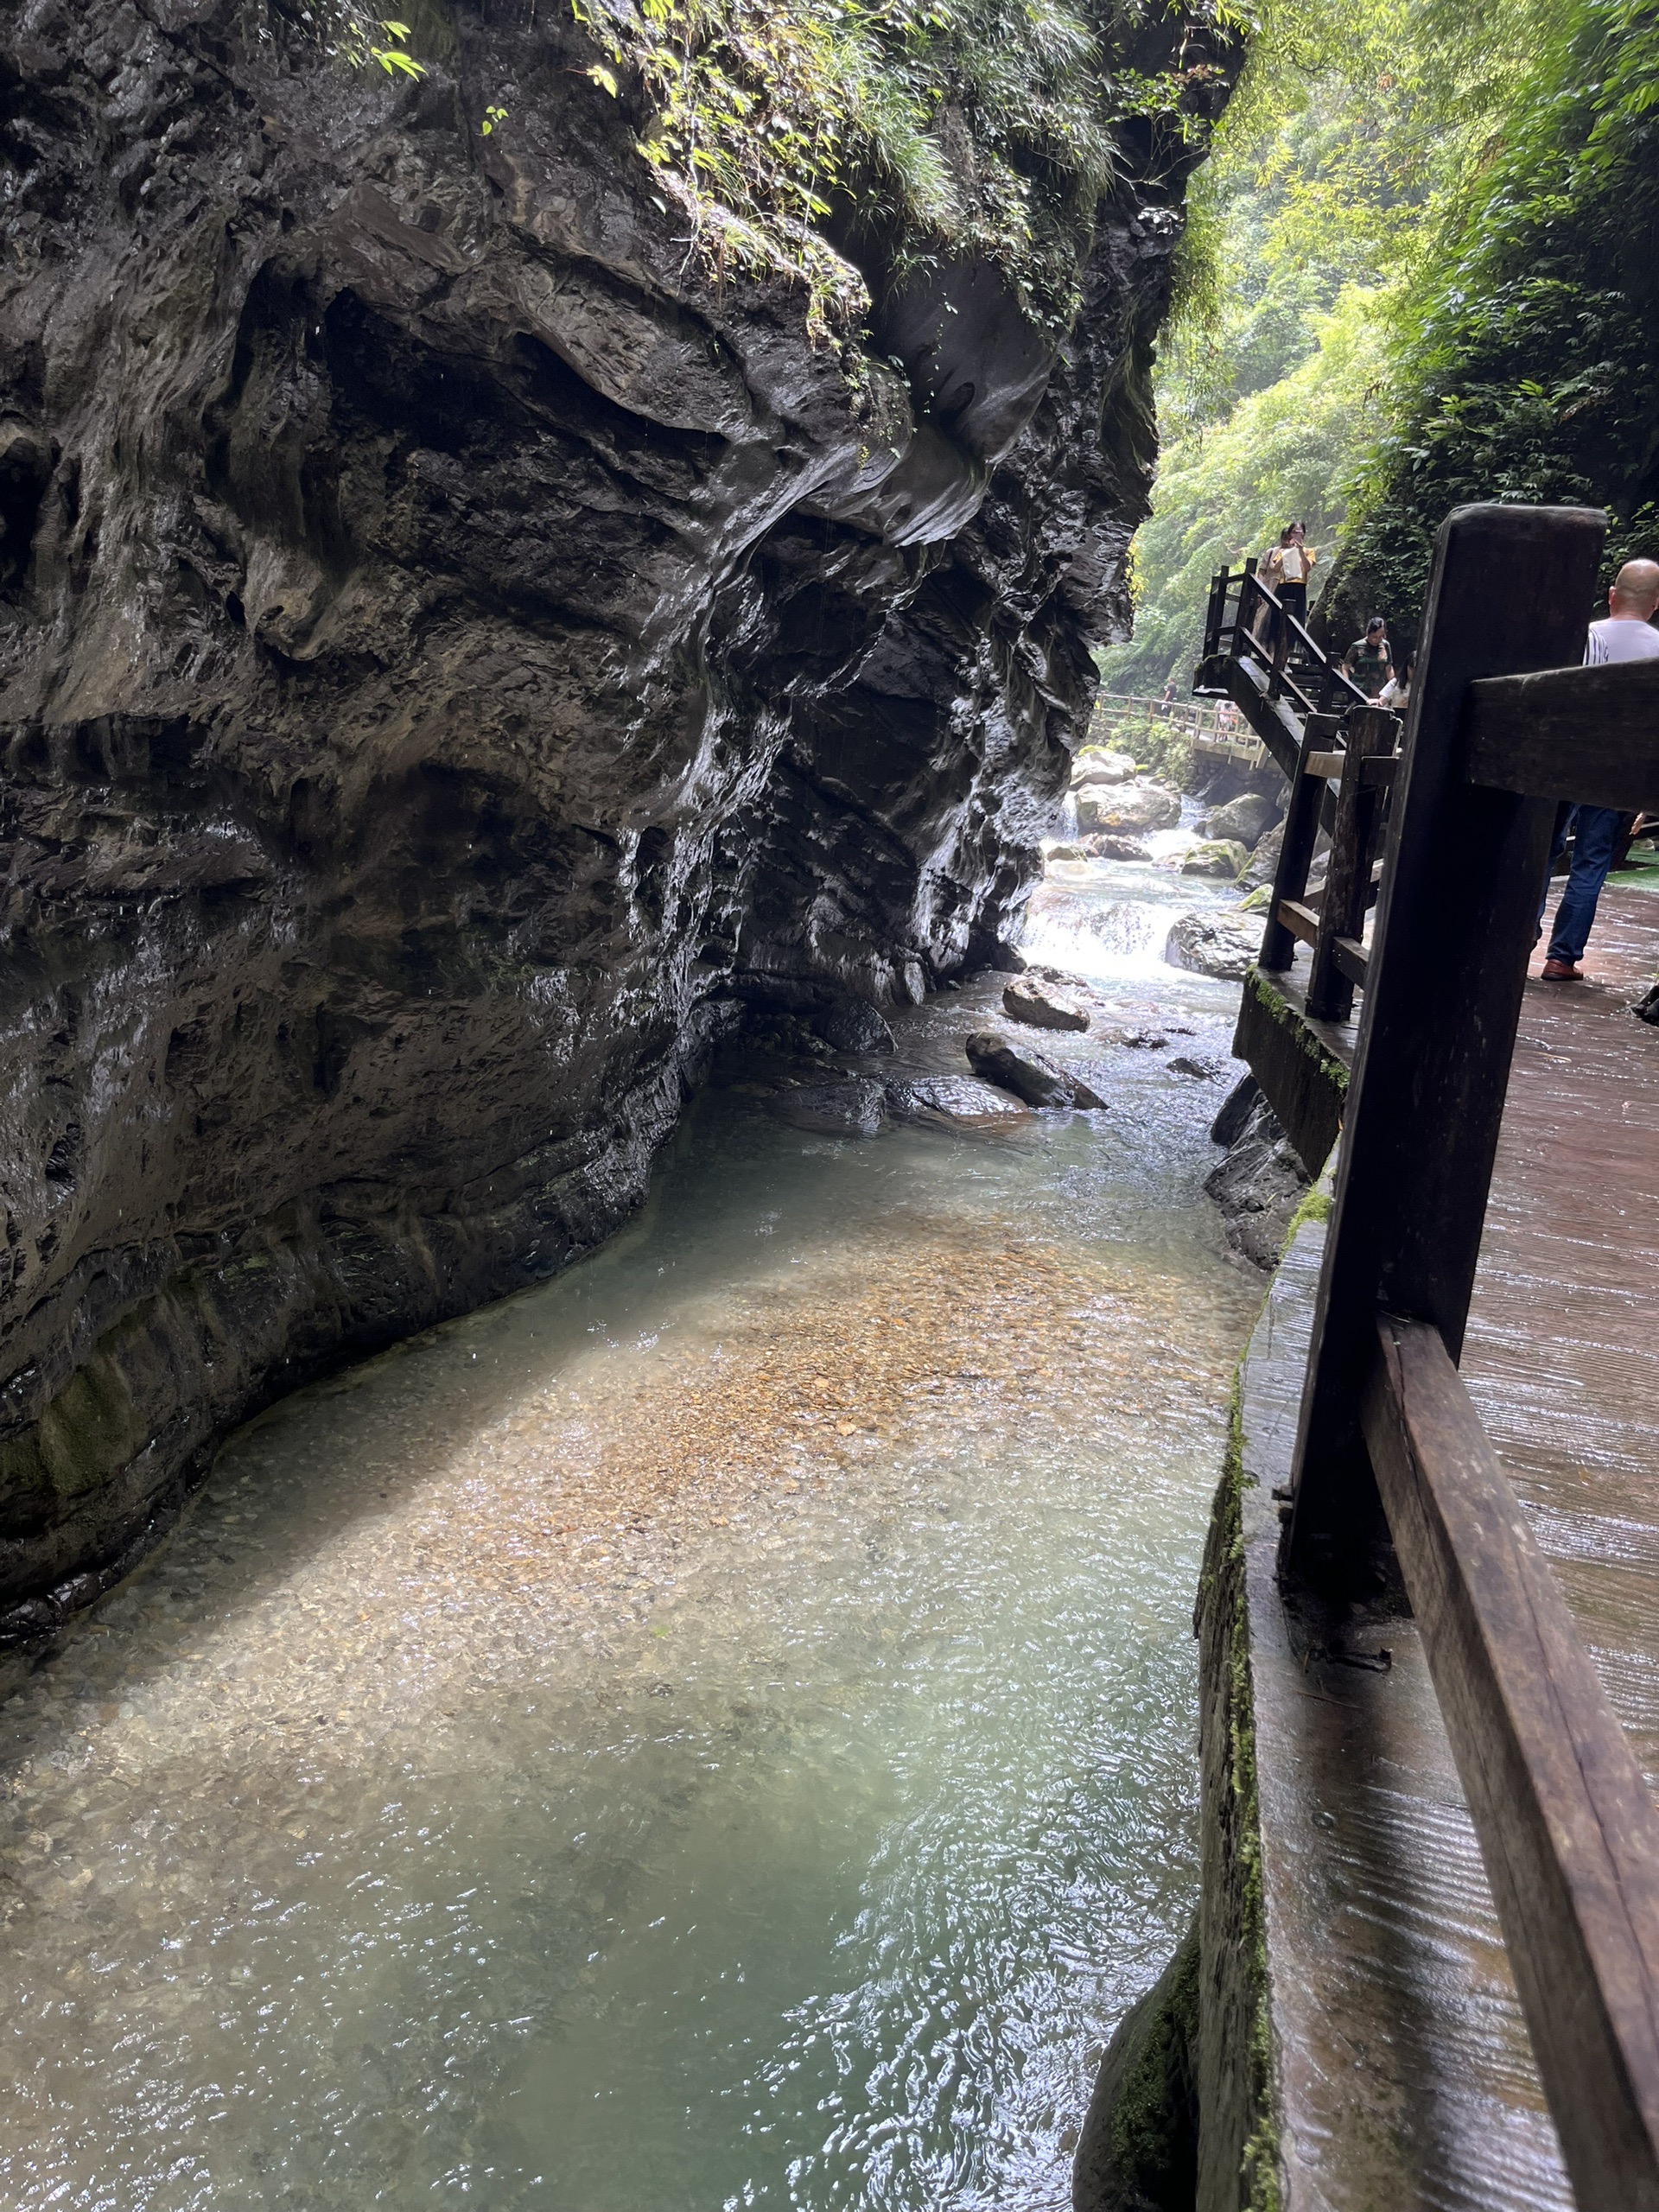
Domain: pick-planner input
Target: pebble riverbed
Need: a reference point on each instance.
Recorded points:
(715, 1729)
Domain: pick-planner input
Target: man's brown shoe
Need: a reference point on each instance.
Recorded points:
(1561, 971)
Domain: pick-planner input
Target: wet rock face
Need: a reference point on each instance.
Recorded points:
(1260, 1182)
(453, 660)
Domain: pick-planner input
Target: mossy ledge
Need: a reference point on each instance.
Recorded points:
(1186, 2107)
(1305, 1082)
(1280, 1011)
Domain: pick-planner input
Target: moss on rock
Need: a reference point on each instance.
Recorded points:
(1138, 2152)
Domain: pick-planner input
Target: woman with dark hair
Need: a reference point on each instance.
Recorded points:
(1286, 568)
(1369, 662)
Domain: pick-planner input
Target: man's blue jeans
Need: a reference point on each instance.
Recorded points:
(1595, 834)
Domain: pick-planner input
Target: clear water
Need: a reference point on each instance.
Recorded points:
(715, 1731)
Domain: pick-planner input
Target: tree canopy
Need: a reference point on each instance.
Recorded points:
(1421, 269)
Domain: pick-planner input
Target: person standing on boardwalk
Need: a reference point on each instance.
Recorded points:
(1285, 569)
(1370, 660)
(1625, 633)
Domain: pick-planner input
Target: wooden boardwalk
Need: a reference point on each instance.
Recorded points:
(1562, 1355)
(1406, 2072)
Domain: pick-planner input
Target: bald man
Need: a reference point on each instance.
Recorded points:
(1625, 633)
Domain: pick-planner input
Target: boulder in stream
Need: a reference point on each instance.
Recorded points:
(1248, 818)
(1223, 857)
(1116, 848)
(855, 1025)
(1264, 861)
(1127, 809)
(1098, 764)
(1211, 946)
(1236, 1110)
(1030, 1075)
(1043, 1004)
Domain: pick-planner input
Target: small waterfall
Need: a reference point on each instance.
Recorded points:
(1088, 936)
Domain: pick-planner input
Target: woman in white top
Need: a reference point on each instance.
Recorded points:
(1395, 694)
(1286, 570)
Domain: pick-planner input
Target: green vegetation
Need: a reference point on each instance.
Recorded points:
(1527, 363)
(1156, 745)
(1421, 269)
(972, 125)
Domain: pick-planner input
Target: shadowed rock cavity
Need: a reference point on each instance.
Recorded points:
(453, 660)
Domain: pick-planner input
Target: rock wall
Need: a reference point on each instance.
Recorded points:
(453, 657)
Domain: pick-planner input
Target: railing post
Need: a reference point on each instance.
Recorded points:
(1510, 591)
(1296, 848)
(1214, 615)
(1367, 731)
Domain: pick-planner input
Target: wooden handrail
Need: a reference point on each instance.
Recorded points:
(1589, 734)
(1455, 921)
(1567, 1830)
(1391, 1458)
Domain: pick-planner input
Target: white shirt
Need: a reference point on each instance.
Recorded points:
(1618, 637)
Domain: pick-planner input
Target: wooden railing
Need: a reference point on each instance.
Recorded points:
(1395, 1478)
(1247, 631)
(1120, 706)
(1358, 756)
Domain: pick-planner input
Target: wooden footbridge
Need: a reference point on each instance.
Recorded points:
(1444, 1568)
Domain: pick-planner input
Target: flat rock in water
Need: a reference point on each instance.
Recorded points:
(1139, 1039)
(1042, 1005)
(960, 1098)
(854, 1109)
(1116, 848)
(1030, 1075)
(1186, 1064)
(1222, 949)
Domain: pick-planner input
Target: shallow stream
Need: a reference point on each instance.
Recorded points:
(715, 1729)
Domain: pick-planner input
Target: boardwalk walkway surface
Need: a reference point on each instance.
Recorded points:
(1407, 2076)
(1562, 1357)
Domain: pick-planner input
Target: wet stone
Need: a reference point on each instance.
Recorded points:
(856, 1108)
(958, 1098)
(1030, 1075)
(1223, 858)
(1043, 1004)
(1210, 946)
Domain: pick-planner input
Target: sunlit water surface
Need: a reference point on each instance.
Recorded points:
(715, 1731)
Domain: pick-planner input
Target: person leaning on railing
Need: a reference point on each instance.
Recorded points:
(1624, 632)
